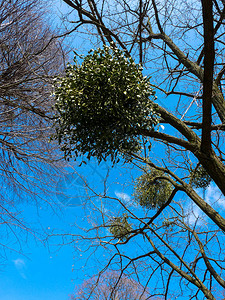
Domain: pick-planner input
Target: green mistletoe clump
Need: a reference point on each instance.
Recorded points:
(200, 178)
(102, 104)
(120, 228)
(152, 189)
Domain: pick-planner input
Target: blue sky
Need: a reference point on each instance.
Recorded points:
(50, 271)
(38, 272)
(47, 270)
(39, 276)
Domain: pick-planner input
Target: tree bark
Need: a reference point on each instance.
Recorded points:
(208, 76)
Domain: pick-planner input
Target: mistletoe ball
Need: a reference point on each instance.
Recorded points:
(102, 104)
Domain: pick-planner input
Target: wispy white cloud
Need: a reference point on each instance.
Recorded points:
(213, 196)
(195, 215)
(20, 265)
(126, 199)
(123, 196)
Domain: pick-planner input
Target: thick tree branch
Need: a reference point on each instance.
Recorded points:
(208, 75)
(166, 138)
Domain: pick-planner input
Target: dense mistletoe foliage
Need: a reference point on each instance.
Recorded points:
(152, 189)
(120, 228)
(101, 105)
(200, 178)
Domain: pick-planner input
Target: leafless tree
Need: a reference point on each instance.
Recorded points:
(30, 58)
(181, 46)
(110, 286)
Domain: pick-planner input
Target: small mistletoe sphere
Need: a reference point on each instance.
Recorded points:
(101, 104)
(120, 228)
(152, 189)
(200, 178)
